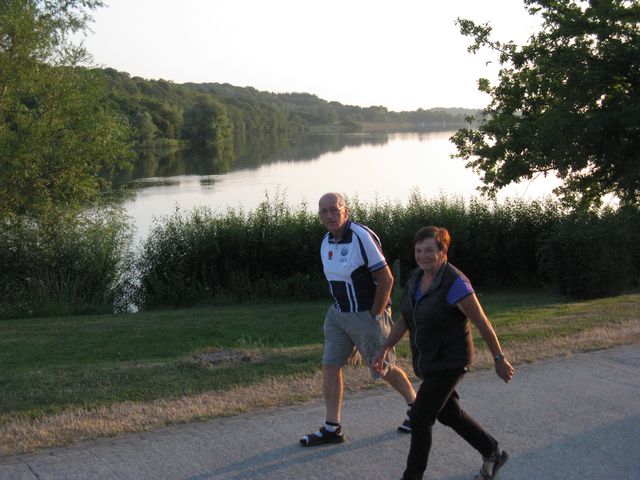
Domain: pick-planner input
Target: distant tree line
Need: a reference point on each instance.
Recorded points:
(214, 115)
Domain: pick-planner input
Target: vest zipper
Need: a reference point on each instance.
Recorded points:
(415, 337)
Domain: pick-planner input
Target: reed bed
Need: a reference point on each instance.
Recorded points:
(201, 257)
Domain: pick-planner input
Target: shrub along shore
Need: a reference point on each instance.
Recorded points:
(86, 265)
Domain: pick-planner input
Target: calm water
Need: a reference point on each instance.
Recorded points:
(369, 166)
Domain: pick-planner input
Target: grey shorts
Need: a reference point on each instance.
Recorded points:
(344, 331)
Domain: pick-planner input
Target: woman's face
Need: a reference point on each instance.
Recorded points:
(428, 255)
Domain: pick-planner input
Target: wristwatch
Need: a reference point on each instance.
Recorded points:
(498, 358)
(377, 317)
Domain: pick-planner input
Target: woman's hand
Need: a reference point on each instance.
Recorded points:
(379, 361)
(504, 370)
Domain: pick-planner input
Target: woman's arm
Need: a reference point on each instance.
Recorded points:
(471, 307)
(395, 335)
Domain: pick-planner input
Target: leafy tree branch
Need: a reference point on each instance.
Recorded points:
(567, 102)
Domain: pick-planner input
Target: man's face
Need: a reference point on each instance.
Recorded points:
(332, 215)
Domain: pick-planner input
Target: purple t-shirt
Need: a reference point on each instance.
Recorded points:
(460, 288)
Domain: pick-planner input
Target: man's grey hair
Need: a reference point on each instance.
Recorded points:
(342, 202)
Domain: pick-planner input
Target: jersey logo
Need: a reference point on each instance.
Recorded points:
(344, 251)
(330, 254)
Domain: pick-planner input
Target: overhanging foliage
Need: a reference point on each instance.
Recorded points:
(567, 102)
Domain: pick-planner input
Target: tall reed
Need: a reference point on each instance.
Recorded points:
(270, 252)
(84, 264)
(273, 251)
(64, 265)
(593, 254)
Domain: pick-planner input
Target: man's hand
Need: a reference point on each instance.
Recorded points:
(378, 362)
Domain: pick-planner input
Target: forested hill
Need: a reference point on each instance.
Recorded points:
(314, 111)
(214, 114)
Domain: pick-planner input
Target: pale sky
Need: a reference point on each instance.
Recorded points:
(403, 54)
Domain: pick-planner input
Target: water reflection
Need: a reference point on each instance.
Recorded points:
(313, 147)
(171, 162)
(153, 164)
(380, 166)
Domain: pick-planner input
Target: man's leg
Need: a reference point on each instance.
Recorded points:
(337, 347)
(400, 382)
(395, 376)
(332, 389)
(369, 335)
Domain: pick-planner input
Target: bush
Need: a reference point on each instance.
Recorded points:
(84, 265)
(66, 266)
(593, 255)
(273, 251)
(494, 243)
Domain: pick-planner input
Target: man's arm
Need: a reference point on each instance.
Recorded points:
(384, 284)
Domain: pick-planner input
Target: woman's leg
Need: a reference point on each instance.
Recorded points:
(433, 395)
(453, 416)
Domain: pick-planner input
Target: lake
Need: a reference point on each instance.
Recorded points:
(380, 166)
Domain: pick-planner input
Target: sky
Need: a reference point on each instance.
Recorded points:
(402, 54)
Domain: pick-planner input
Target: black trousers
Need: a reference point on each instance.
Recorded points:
(437, 399)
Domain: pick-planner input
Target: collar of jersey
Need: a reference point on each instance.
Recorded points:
(346, 236)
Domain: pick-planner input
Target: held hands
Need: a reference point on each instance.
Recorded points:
(379, 361)
(504, 370)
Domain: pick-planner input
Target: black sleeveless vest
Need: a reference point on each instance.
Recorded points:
(439, 333)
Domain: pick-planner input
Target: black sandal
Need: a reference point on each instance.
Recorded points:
(491, 465)
(321, 437)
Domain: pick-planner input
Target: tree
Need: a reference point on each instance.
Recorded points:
(207, 125)
(567, 102)
(145, 128)
(58, 139)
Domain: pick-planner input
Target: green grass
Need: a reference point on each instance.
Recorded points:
(155, 336)
(54, 364)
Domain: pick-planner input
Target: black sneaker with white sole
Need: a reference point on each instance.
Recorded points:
(405, 427)
(491, 465)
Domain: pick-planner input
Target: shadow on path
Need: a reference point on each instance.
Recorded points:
(272, 461)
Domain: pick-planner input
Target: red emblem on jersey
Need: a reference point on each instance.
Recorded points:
(330, 254)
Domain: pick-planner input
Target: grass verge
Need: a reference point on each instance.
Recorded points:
(72, 378)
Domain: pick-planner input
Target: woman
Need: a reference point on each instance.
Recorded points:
(437, 304)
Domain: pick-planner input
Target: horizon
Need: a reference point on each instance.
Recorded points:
(289, 93)
(405, 57)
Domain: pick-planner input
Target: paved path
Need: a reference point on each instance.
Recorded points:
(569, 418)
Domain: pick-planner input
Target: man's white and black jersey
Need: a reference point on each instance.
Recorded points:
(348, 265)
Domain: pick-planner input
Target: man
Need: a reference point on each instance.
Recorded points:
(360, 282)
